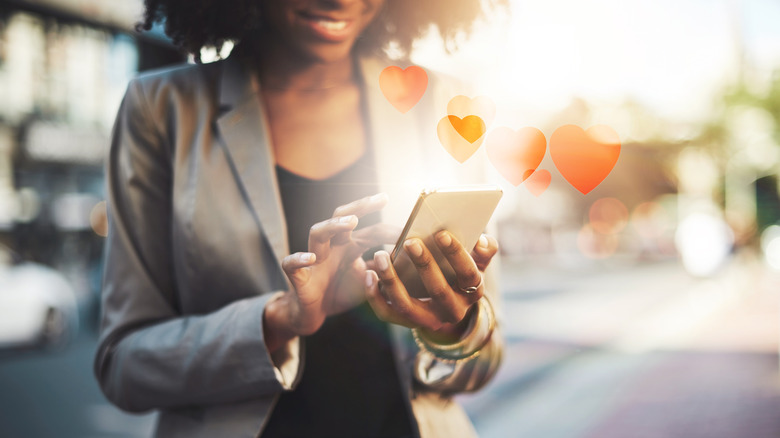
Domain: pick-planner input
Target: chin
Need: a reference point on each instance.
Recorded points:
(328, 53)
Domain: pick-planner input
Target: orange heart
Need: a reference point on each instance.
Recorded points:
(516, 154)
(403, 88)
(538, 182)
(584, 158)
(454, 142)
(470, 128)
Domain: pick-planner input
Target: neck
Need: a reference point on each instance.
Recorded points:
(283, 68)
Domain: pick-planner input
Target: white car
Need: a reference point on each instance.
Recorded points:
(38, 306)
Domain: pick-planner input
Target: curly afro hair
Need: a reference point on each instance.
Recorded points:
(194, 24)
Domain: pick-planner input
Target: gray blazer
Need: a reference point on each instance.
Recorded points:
(196, 236)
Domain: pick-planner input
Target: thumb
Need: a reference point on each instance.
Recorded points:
(297, 267)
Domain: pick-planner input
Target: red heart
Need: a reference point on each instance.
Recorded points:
(516, 154)
(584, 158)
(538, 182)
(470, 128)
(403, 88)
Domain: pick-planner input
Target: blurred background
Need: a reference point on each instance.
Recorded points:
(646, 308)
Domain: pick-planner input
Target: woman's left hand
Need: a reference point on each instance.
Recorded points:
(443, 317)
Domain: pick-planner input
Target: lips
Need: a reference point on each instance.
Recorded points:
(326, 27)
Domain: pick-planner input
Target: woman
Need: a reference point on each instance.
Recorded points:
(235, 298)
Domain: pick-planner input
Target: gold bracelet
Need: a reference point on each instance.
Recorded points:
(445, 352)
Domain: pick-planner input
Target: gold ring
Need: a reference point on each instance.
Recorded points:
(472, 289)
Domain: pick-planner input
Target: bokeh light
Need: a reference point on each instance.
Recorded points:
(650, 220)
(596, 245)
(608, 215)
(770, 244)
(704, 242)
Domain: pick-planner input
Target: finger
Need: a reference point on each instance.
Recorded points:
(370, 237)
(296, 266)
(358, 208)
(484, 251)
(446, 303)
(353, 273)
(356, 269)
(321, 233)
(362, 206)
(377, 301)
(465, 268)
(403, 306)
(375, 235)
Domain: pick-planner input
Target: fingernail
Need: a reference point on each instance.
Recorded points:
(347, 219)
(306, 257)
(444, 238)
(382, 260)
(369, 279)
(483, 242)
(413, 246)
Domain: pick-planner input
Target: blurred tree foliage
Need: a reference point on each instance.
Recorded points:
(768, 99)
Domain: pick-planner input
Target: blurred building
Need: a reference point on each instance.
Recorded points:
(64, 67)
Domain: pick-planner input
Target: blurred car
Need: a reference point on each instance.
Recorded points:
(38, 306)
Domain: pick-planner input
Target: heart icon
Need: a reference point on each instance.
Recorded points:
(480, 106)
(462, 131)
(461, 137)
(403, 88)
(470, 128)
(584, 158)
(516, 154)
(538, 182)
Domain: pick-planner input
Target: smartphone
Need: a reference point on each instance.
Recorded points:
(463, 211)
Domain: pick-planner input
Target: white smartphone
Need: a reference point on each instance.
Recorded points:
(463, 211)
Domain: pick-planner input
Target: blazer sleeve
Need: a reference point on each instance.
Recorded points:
(150, 356)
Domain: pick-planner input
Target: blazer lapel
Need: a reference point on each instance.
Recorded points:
(243, 129)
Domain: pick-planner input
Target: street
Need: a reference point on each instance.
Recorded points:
(54, 394)
(636, 351)
(631, 350)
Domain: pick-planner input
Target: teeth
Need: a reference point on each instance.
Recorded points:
(332, 25)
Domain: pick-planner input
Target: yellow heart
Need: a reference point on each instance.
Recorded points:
(470, 128)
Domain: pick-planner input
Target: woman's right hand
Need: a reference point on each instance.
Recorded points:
(329, 278)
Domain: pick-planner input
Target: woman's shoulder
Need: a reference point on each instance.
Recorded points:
(180, 80)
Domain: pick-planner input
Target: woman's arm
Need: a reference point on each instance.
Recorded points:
(459, 345)
(149, 355)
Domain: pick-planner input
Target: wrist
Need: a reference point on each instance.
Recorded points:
(477, 336)
(277, 327)
(451, 333)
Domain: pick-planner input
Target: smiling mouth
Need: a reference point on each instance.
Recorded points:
(328, 28)
(331, 24)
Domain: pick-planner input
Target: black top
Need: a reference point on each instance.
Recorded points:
(349, 386)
